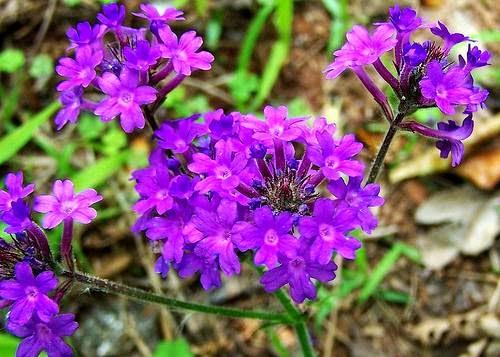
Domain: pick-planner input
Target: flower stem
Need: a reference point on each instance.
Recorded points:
(300, 323)
(112, 287)
(384, 148)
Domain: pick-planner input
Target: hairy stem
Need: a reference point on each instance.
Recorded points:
(112, 287)
(384, 148)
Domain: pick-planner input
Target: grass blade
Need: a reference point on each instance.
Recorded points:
(14, 141)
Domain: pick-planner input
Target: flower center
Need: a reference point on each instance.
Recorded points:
(69, 206)
(326, 232)
(126, 97)
(31, 292)
(441, 91)
(298, 264)
(43, 333)
(182, 55)
(276, 130)
(223, 172)
(332, 162)
(271, 237)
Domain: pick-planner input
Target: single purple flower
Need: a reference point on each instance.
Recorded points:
(86, 35)
(15, 190)
(297, 272)
(29, 294)
(154, 191)
(220, 125)
(65, 204)
(162, 267)
(170, 232)
(276, 125)
(326, 228)
(269, 235)
(79, 71)
(475, 59)
(151, 13)
(447, 89)
(449, 135)
(178, 136)
(221, 173)
(220, 234)
(17, 218)
(450, 39)
(414, 54)
(207, 266)
(46, 336)
(404, 20)
(361, 48)
(334, 159)
(112, 15)
(183, 52)
(124, 97)
(142, 56)
(358, 198)
(71, 101)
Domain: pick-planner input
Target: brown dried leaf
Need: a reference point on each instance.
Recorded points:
(482, 169)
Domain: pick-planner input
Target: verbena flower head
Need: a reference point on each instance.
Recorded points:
(29, 288)
(225, 184)
(132, 68)
(427, 75)
(65, 204)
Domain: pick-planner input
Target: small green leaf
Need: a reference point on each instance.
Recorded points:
(14, 141)
(90, 127)
(72, 3)
(97, 174)
(114, 140)
(177, 348)
(8, 344)
(42, 67)
(11, 60)
(396, 297)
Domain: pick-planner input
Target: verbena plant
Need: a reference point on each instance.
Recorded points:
(288, 190)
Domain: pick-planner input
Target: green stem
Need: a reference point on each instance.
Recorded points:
(112, 287)
(300, 324)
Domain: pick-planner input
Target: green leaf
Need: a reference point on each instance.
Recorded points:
(341, 22)
(8, 344)
(380, 271)
(11, 60)
(90, 127)
(488, 36)
(394, 296)
(213, 31)
(14, 141)
(114, 140)
(42, 67)
(97, 174)
(71, 3)
(177, 348)
(242, 86)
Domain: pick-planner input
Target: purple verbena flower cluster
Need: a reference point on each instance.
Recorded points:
(426, 74)
(133, 68)
(28, 285)
(222, 184)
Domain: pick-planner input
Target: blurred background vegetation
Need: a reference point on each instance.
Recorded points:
(425, 283)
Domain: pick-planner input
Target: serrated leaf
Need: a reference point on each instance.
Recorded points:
(14, 141)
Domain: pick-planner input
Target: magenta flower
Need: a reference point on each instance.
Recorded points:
(450, 39)
(334, 159)
(208, 268)
(327, 228)
(220, 234)
(221, 173)
(124, 98)
(297, 272)
(475, 59)
(142, 57)
(269, 235)
(17, 218)
(45, 336)
(447, 89)
(154, 191)
(79, 71)
(183, 52)
(15, 190)
(112, 15)
(449, 135)
(65, 204)
(359, 199)
(361, 48)
(85, 35)
(151, 13)
(29, 294)
(276, 126)
(179, 135)
(170, 232)
(71, 101)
